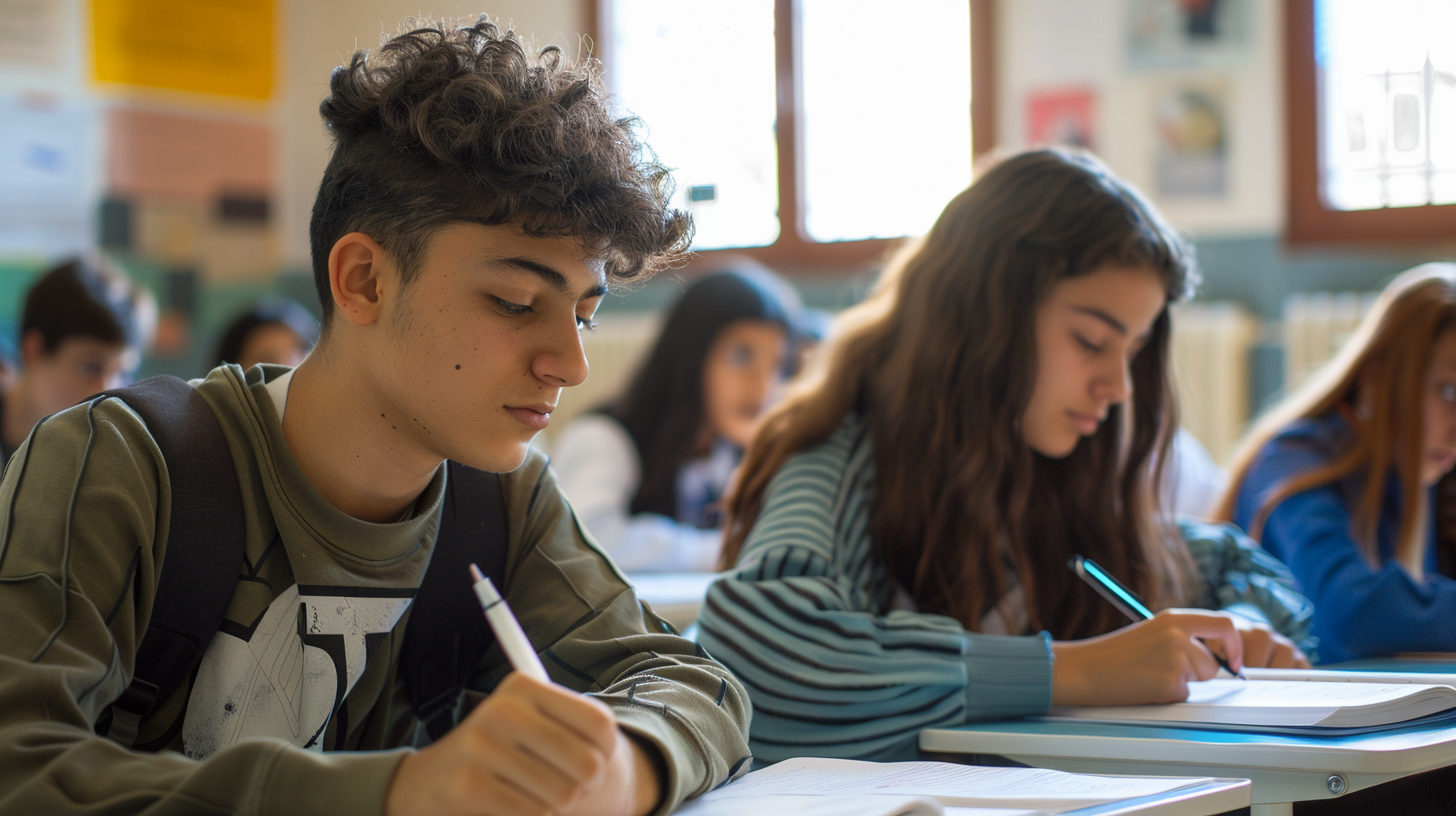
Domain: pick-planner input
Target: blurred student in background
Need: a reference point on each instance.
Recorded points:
(82, 331)
(646, 473)
(273, 330)
(1345, 480)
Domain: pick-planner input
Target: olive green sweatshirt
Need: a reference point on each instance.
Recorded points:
(297, 707)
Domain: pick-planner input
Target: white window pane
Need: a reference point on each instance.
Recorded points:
(701, 75)
(887, 117)
(1387, 101)
(1353, 191)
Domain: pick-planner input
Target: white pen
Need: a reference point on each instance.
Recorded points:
(507, 629)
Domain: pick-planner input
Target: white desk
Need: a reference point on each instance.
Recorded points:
(1283, 769)
(675, 596)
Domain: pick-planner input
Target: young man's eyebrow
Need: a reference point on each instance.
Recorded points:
(552, 277)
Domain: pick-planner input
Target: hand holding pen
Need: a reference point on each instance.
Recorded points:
(1128, 603)
(532, 746)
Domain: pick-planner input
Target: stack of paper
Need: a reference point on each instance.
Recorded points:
(842, 787)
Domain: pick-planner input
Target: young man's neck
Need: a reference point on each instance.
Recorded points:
(328, 429)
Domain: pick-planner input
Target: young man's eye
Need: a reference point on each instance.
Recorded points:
(585, 323)
(509, 307)
(740, 356)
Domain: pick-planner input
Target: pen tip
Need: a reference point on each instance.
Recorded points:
(476, 574)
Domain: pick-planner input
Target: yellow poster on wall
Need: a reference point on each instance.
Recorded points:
(209, 46)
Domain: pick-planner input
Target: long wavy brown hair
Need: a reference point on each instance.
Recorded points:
(1377, 381)
(941, 362)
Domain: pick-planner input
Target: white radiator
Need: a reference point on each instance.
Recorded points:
(613, 352)
(1316, 324)
(1212, 346)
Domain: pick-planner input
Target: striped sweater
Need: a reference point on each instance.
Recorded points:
(801, 620)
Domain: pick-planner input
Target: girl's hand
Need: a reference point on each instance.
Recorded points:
(1150, 661)
(1263, 647)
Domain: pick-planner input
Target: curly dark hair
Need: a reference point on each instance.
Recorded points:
(447, 124)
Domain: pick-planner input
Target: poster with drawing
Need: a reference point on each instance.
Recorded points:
(1174, 34)
(46, 155)
(1060, 117)
(1192, 156)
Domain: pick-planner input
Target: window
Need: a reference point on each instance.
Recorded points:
(1372, 121)
(805, 132)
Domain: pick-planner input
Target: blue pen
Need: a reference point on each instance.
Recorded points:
(1126, 602)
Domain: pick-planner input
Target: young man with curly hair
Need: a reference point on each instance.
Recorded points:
(479, 202)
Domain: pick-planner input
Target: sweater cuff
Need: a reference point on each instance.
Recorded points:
(685, 776)
(341, 783)
(1007, 676)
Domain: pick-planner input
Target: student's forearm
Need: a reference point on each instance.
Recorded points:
(836, 682)
(65, 771)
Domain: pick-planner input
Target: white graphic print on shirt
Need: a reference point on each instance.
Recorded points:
(288, 678)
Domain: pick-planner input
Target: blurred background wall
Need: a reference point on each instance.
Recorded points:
(183, 136)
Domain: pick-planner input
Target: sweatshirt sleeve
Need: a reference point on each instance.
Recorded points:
(1364, 609)
(1240, 577)
(829, 672)
(85, 508)
(600, 471)
(594, 635)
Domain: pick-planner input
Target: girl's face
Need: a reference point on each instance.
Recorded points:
(1087, 332)
(744, 367)
(1440, 411)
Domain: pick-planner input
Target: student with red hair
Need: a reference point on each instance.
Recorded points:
(1346, 479)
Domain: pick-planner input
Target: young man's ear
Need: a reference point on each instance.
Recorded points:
(32, 348)
(356, 269)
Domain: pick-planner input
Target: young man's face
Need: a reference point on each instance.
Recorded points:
(79, 367)
(482, 340)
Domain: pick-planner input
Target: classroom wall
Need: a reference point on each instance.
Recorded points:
(1046, 45)
(1043, 45)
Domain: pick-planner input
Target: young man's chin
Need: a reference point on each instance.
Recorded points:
(500, 460)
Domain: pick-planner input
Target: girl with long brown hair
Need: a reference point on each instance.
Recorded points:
(1341, 480)
(899, 532)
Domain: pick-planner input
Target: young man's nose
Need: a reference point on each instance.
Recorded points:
(564, 363)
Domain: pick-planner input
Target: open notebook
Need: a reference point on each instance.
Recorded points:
(843, 787)
(1313, 704)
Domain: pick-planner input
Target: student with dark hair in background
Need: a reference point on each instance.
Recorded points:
(479, 199)
(273, 330)
(82, 331)
(646, 474)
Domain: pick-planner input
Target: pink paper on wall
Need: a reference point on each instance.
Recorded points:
(151, 153)
(1063, 117)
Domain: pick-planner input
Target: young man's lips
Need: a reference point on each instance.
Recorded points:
(532, 416)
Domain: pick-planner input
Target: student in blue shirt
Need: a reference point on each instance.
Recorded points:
(899, 532)
(1344, 480)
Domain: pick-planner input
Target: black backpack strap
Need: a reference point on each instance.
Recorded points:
(447, 635)
(205, 546)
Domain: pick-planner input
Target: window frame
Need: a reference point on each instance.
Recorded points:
(794, 252)
(1308, 220)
